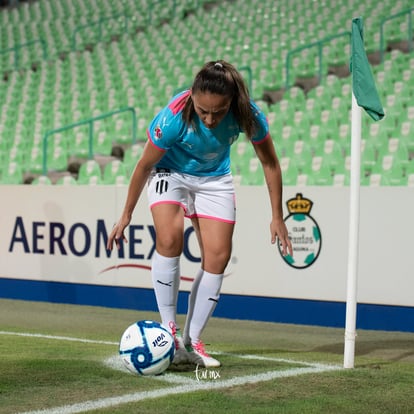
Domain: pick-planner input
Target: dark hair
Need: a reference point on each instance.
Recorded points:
(221, 78)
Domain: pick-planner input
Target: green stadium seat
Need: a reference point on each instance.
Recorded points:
(58, 160)
(340, 106)
(102, 143)
(368, 158)
(296, 97)
(301, 123)
(321, 172)
(316, 138)
(89, 173)
(131, 156)
(394, 176)
(66, 180)
(285, 108)
(284, 147)
(115, 172)
(240, 153)
(302, 156)
(12, 174)
(407, 134)
(341, 179)
(252, 174)
(42, 180)
(304, 179)
(289, 171)
(92, 180)
(16, 154)
(333, 85)
(314, 105)
(35, 162)
(409, 173)
(375, 180)
(332, 154)
(80, 147)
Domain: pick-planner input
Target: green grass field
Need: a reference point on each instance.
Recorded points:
(64, 359)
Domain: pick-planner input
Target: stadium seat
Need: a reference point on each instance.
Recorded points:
(115, 172)
(58, 160)
(12, 174)
(253, 174)
(35, 162)
(92, 180)
(333, 154)
(399, 149)
(102, 143)
(302, 156)
(394, 176)
(66, 180)
(89, 173)
(316, 138)
(131, 156)
(341, 179)
(304, 180)
(321, 172)
(241, 152)
(42, 180)
(374, 180)
(368, 158)
(296, 97)
(289, 171)
(301, 123)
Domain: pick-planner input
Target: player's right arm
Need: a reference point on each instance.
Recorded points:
(150, 156)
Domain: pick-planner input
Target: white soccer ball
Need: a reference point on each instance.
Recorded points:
(147, 348)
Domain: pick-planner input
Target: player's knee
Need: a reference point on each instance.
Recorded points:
(216, 262)
(170, 245)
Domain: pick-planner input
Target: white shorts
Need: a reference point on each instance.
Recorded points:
(205, 197)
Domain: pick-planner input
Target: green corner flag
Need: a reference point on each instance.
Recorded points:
(363, 84)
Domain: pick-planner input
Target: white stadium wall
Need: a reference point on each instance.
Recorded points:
(52, 248)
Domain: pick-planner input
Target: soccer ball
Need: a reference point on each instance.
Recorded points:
(147, 348)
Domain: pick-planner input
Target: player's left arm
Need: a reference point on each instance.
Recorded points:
(266, 153)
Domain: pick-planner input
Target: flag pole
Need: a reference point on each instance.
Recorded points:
(364, 95)
(353, 245)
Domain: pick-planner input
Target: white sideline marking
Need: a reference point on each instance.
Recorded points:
(180, 389)
(185, 385)
(59, 338)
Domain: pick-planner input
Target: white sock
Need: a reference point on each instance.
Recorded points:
(202, 301)
(166, 281)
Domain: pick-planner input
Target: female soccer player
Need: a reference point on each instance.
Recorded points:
(186, 162)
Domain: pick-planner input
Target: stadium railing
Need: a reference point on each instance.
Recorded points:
(391, 19)
(319, 45)
(18, 47)
(89, 122)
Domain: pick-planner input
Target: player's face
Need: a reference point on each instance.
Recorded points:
(211, 108)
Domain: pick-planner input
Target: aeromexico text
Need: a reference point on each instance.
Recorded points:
(80, 239)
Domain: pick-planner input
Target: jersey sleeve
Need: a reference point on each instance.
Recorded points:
(163, 130)
(262, 132)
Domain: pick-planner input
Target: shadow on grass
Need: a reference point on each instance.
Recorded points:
(391, 350)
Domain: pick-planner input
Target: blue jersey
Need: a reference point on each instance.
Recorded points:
(198, 150)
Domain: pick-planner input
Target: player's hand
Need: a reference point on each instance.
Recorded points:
(117, 234)
(279, 231)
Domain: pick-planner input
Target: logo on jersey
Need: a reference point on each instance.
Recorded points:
(161, 186)
(304, 233)
(158, 132)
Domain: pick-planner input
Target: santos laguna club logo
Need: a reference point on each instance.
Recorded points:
(304, 233)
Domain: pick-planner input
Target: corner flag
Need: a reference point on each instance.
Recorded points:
(363, 85)
(364, 95)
